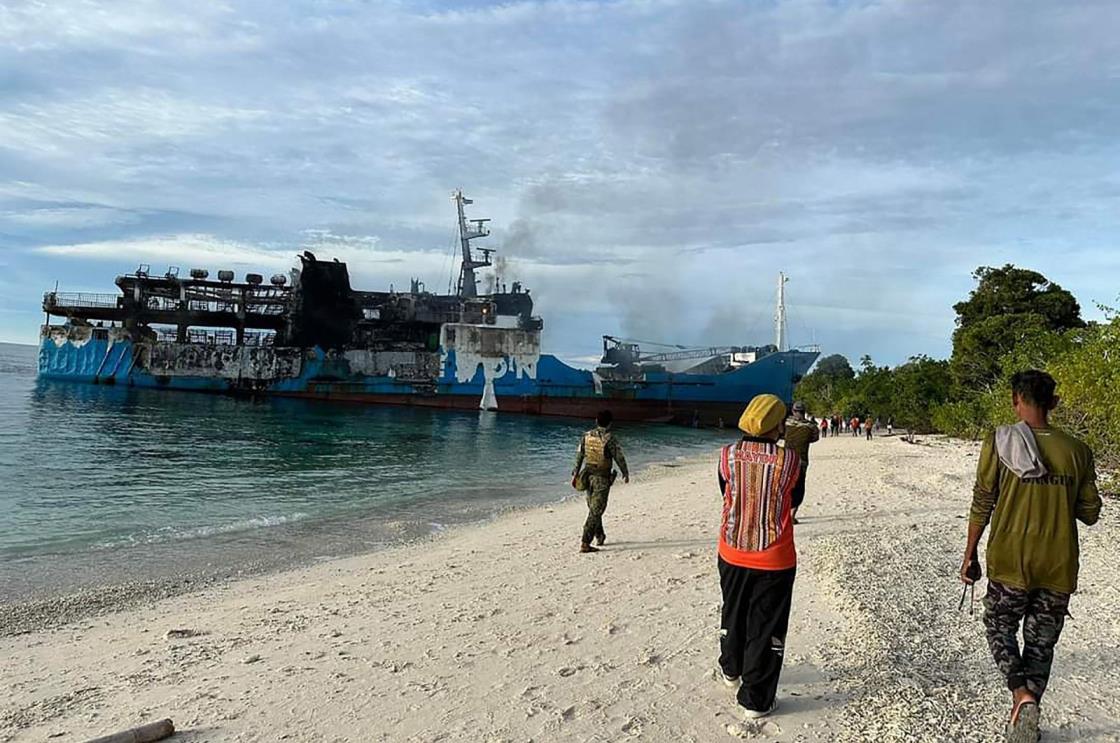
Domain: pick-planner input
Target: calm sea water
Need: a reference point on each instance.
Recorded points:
(99, 484)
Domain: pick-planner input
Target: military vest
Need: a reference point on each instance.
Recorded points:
(595, 453)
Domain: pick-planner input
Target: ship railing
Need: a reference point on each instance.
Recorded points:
(211, 337)
(215, 306)
(164, 304)
(217, 337)
(80, 300)
(260, 339)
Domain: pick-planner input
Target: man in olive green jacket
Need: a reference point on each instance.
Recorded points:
(1033, 483)
(800, 433)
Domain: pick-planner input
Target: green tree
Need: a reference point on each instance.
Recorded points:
(824, 388)
(834, 367)
(1024, 343)
(1088, 376)
(980, 347)
(1007, 305)
(1015, 291)
(918, 387)
(871, 394)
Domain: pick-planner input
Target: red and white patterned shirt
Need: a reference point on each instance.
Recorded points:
(756, 531)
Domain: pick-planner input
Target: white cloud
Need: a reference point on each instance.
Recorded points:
(68, 217)
(371, 266)
(195, 250)
(30, 26)
(88, 125)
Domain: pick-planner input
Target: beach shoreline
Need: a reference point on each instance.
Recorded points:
(500, 631)
(45, 607)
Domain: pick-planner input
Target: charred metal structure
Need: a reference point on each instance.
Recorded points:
(311, 334)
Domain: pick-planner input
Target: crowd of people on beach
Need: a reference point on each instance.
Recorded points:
(836, 425)
(1033, 484)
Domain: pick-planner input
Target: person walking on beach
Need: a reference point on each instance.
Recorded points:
(890, 425)
(837, 425)
(855, 425)
(598, 452)
(799, 434)
(867, 424)
(824, 428)
(1033, 484)
(757, 559)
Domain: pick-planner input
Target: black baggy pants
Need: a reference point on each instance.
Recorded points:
(755, 618)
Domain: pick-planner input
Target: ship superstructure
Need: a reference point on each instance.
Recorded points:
(310, 334)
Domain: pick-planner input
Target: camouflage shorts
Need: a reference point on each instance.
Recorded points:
(1043, 614)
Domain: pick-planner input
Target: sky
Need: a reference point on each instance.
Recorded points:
(649, 165)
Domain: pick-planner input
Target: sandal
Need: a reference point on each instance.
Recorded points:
(1023, 726)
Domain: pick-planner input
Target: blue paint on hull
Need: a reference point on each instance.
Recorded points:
(556, 387)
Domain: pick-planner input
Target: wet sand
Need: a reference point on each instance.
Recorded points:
(502, 632)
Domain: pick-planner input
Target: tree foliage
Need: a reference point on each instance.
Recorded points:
(908, 393)
(1085, 362)
(1008, 305)
(1015, 319)
(1088, 376)
(979, 348)
(918, 387)
(834, 367)
(1018, 291)
(824, 388)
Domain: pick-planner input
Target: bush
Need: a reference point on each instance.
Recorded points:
(1088, 376)
(917, 388)
(963, 419)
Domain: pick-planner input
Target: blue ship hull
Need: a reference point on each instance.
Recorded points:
(530, 383)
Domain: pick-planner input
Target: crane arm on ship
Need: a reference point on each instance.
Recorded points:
(614, 348)
(693, 353)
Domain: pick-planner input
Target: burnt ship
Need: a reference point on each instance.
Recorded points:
(310, 334)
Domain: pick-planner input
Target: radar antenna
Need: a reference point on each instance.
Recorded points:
(470, 229)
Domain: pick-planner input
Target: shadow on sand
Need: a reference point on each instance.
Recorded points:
(694, 544)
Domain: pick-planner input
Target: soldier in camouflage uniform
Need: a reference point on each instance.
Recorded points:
(598, 451)
(1033, 484)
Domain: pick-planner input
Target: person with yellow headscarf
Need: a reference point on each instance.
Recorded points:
(757, 558)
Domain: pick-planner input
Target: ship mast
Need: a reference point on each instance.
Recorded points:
(470, 229)
(780, 315)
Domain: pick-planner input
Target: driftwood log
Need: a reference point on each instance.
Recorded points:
(153, 731)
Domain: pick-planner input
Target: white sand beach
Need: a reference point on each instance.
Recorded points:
(502, 632)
